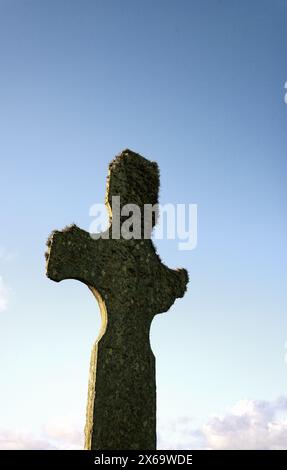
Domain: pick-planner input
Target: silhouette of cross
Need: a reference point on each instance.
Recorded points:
(131, 285)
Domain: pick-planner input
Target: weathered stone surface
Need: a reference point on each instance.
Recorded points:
(132, 285)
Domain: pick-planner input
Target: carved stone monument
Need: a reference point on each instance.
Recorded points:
(131, 285)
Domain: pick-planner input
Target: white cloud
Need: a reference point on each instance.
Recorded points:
(12, 440)
(62, 433)
(4, 295)
(249, 424)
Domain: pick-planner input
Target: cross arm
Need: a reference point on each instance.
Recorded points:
(73, 254)
(170, 284)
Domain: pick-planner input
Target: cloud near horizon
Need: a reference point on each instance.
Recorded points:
(249, 424)
(61, 433)
(22, 440)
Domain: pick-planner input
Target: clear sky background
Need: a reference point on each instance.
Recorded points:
(197, 86)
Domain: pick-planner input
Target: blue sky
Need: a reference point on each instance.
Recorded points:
(197, 86)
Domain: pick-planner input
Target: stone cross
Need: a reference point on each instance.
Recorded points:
(131, 285)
